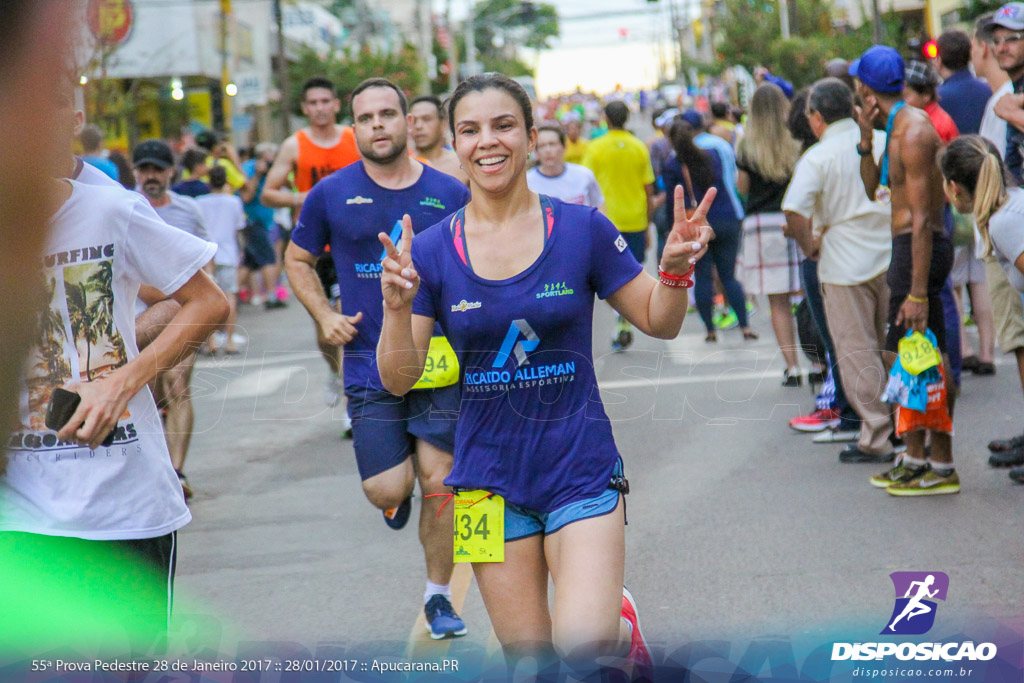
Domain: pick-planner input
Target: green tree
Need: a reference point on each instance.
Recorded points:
(504, 22)
(975, 8)
(750, 35)
(347, 71)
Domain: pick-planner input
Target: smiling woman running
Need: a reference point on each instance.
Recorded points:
(511, 279)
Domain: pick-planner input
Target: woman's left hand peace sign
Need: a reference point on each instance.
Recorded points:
(688, 240)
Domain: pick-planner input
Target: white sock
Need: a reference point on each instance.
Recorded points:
(435, 589)
(913, 462)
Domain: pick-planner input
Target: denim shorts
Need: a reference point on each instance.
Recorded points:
(521, 522)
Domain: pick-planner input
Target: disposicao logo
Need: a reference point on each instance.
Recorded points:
(916, 592)
(914, 614)
(520, 348)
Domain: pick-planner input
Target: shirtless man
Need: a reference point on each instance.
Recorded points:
(316, 151)
(922, 255)
(426, 130)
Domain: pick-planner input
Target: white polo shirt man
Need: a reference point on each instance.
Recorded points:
(854, 251)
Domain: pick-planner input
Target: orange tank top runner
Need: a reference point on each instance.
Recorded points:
(315, 162)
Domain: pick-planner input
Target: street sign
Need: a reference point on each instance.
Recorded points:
(110, 21)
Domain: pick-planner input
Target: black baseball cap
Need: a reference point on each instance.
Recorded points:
(207, 139)
(154, 152)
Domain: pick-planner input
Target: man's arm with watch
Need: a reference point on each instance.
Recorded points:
(869, 171)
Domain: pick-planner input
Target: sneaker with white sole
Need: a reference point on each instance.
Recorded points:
(332, 390)
(897, 474)
(442, 621)
(818, 421)
(639, 654)
(837, 436)
(928, 483)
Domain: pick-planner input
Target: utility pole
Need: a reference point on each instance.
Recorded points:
(282, 72)
(225, 76)
(424, 43)
(784, 17)
(471, 64)
(877, 21)
(453, 50)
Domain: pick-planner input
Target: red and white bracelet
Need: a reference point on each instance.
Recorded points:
(669, 280)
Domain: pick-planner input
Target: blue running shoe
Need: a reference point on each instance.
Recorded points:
(442, 621)
(396, 518)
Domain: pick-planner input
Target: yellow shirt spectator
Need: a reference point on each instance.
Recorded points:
(575, 151)
(236, 179)
(622, 166)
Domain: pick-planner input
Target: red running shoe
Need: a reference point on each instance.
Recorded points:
(639, 655)
(818, 421)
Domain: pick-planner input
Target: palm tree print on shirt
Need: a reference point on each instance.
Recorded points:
(90, 298)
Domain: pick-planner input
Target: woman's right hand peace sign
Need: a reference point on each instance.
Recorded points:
(398, 279)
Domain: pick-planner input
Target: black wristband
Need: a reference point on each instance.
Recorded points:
(863, 152)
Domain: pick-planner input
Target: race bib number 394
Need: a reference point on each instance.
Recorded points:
(479, 527)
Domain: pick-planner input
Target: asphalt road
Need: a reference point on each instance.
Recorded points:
(739, 528)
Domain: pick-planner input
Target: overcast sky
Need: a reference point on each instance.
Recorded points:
(592, 53)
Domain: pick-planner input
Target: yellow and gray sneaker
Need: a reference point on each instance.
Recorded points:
(897, 474)
(927, 483)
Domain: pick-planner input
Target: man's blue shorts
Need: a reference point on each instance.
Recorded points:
(521, 522)
(385, 427)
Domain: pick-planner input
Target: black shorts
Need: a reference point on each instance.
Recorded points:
(328, 277)
(899, 279)
(259, 252)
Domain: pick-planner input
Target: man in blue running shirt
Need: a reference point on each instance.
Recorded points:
(347, 210)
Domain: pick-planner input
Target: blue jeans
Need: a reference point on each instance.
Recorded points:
(849, 420)
(721, 254)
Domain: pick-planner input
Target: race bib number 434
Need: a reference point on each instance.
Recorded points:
(479, 527)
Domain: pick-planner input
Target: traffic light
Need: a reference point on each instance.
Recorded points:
(922, 48)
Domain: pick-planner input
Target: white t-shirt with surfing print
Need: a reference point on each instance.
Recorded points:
(103, 243)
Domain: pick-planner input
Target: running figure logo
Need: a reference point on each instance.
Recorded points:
(914, 612)
(520, 348)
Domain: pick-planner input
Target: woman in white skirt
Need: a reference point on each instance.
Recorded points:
(765, 156)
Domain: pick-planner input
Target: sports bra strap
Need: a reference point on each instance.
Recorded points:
(458, 228)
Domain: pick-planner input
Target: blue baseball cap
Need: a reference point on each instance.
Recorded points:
(1010, 15)
(694, 118)
(879, 68)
